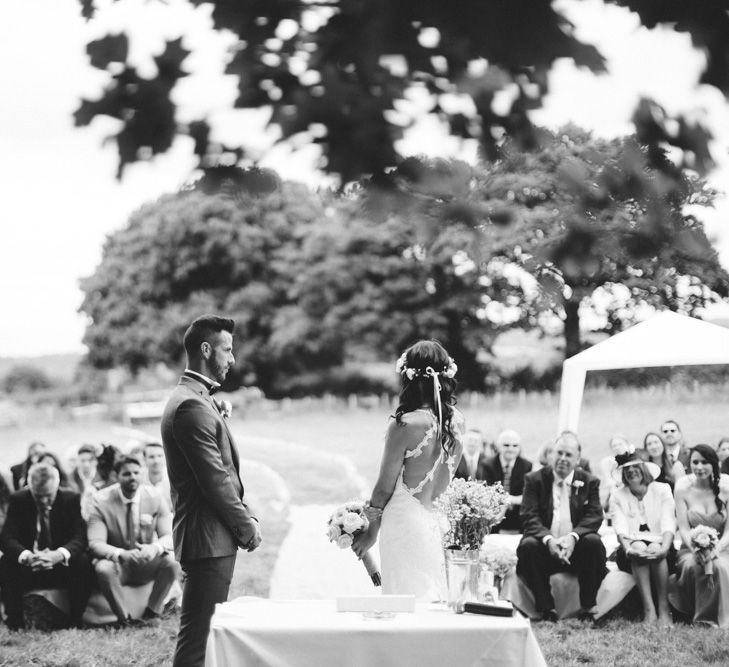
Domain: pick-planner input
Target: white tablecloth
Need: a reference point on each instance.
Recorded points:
(252, 632)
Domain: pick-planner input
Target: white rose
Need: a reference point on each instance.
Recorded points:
(351, 522)
(145, 519)
(339, 514)
(344, 541)
(334, 532)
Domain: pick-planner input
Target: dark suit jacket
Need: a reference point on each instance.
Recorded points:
(18, 471)
(67, 527)
(493, 472)
(537, 507)
(462, 469)
(211, 519)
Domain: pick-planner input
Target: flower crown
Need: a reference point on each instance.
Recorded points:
(401, 367)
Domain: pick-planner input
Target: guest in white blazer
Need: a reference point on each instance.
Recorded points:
(644, 519)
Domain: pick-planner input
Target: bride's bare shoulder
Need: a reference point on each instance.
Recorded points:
(415, 418)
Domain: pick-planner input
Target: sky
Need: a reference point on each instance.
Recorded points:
(60, 198)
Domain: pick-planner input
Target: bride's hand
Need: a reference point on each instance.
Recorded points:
(363, 543)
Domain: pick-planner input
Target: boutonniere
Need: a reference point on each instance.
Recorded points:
(226, 409)
(577, 484)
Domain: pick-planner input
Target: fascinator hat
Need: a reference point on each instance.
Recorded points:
(633, 459)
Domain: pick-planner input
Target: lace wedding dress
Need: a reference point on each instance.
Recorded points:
(411, 551)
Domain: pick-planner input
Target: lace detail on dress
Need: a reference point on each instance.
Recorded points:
(426, 479)
(413, 453)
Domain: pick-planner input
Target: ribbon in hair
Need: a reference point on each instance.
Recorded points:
(436, 396)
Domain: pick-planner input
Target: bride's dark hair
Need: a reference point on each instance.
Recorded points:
(711, 456)
(418, 391)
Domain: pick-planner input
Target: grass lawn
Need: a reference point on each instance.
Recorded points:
(300, 451)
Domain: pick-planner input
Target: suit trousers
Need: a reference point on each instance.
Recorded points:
(162, 570)
(15, 579)
(536, 565)
(207, 582)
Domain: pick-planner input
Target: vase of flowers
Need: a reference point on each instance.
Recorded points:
(470, 509)
(500, 561)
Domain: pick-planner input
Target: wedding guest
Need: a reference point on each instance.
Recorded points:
(5, 492)
(474, 456)
(51, 459)
(20, 470)
(130, 533)
(509, 468)
(85, 474)
(545, 454)
(643, 515)
(156, 470)
(722, 451)
(619, 446)
(560, 516)
(571, 436)
(105, 464)
(654, 451)
(44, 545)
(702, 587)
(674, 443)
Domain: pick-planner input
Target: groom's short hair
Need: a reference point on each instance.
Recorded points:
(202, 329)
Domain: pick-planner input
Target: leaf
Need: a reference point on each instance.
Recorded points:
(109, 49)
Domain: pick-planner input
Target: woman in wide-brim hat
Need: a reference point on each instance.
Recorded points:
(644, 519)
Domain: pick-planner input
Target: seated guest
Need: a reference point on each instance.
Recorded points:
(619, 446)
(44, 545)
(674, 443)
(20, 470)
(702, 587)
(105, 464)
(722, 451)
(644, 519)
(5, 492)
(560, 517)
(51, 459)
(130, 533)
(471, 464)
(156, 470)
(655, 452)
(571, 436)
(545, 454)
(509, 468)
(85, 474)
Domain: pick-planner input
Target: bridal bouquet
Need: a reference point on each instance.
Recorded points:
(471, 510)
(704, 540)
(345, 524)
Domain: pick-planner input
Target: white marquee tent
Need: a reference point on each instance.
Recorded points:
(666, 339)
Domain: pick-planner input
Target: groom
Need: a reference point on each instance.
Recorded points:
(211, 519)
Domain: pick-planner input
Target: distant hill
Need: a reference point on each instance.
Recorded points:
(60, 367)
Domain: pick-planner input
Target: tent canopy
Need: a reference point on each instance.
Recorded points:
(666, 339)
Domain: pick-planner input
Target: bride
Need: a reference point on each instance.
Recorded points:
(423, 446)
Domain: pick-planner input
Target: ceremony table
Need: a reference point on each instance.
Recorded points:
(256, 632)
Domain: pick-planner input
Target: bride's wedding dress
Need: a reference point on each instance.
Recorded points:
(411, 551)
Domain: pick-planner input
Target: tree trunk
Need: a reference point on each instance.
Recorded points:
(572, 341)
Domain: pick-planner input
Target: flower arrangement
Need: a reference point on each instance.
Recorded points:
(471, 510)
(345, 523)
(498, 559)
(703, 541)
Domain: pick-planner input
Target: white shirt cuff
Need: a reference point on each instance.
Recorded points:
(546, 538)
(66, 555)
(576, 536)
(24, 555)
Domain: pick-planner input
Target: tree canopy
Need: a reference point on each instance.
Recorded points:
(335, 72)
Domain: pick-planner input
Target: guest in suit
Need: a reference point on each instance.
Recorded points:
(722, 451)
(674, 443)
(130, 536)
(560, 517)
(583, 464)
(155, 473)
(212, 521)
(5, 493)
(474, 456)
(509, 468)
(85, 474)
(644, 519)
(19, 471)
(44, 545)
(51, 459)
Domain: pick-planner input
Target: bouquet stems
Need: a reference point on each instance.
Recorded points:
(373, 569)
